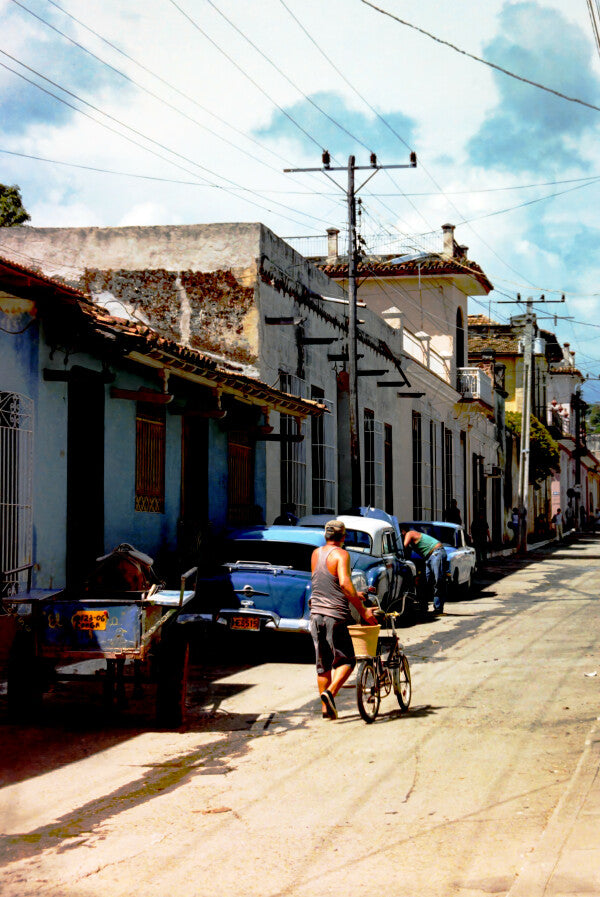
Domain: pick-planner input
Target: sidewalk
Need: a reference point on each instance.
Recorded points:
(567, 859)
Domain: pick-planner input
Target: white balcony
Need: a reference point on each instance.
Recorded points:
(474, 385)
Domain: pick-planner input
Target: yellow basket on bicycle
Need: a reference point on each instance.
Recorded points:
(364, 639)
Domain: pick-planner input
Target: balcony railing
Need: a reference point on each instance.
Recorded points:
(475, 385)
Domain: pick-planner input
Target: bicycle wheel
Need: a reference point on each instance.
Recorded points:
(367, 691)
(402, 684)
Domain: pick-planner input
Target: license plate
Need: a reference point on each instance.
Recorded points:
(245, 623)
(90, 619)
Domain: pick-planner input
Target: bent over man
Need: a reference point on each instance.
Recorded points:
(332, 593)
(436, 563)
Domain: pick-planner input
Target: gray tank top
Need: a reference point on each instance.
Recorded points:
(327, 597)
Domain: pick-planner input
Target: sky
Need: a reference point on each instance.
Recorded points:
(187, 111)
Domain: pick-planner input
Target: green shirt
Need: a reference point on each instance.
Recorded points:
(426, 545)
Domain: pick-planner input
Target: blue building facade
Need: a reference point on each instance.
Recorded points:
(110, 433)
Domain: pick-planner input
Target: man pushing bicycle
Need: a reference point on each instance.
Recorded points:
(332, 593)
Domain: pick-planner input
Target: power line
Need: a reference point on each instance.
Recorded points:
(402, 140)
(364, 100)
(141, 87)
(289, 80)
(244, 73)
(172, 87)
(531, 202)
(140, 134)
(492, 65)
(594, 19)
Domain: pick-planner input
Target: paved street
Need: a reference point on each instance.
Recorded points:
(467, 794)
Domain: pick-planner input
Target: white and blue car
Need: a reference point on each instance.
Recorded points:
(263, 578)
(461, 556)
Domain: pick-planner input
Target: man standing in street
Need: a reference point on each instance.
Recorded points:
(557, 520)
(452, 512)
(332, 593)
(436, 563)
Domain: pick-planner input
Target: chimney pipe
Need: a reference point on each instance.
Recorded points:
(332, 243)
(448, 231)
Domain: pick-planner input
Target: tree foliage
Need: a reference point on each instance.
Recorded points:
(593, 418)
(544, 454)
(12, 210)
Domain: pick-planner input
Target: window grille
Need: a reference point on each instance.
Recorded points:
(240, 479)
(150, 450)
(16, 489)
(388, 469)
(448, 470)
(433, 469)
(417, 466)
(293, 454)
(374, 451)
(323, 457)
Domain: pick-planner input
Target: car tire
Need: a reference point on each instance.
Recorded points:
(467, 586)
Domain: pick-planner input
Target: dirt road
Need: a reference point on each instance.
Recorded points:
(257, 795)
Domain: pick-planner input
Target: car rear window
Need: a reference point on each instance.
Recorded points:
(444, 534)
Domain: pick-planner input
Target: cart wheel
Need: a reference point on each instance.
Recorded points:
(173, 665)
(25, 679)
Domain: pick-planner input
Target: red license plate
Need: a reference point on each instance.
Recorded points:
(252, 623)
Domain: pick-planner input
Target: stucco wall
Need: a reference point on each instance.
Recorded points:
(66, 251)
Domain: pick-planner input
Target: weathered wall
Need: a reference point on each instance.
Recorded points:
(65, 252)
(209, 311)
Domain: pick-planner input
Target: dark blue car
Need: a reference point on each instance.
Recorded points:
(263, 578)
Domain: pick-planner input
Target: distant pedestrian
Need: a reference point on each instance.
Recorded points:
(513, 524)
(569, 518)
(557, 520)
(452, 512)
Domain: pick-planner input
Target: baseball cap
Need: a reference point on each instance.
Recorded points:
(334, 528)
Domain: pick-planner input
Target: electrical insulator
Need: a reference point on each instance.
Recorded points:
(374, 160)
(326, 159)
(413, 159)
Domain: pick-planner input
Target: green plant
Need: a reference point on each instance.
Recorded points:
(12, 211)
(544, 454)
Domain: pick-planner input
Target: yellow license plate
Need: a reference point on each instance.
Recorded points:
(245, 623)
(90, 619)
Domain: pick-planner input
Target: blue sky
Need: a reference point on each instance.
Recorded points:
(200, 105)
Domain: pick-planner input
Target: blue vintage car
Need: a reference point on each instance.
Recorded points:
(461, 556)
(263, 579)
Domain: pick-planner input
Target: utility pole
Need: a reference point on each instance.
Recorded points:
(351, 191)
(525, 425)
(528, 321)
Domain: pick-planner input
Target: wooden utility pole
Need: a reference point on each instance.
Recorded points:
(351, 191)
(528, 322)
(525, 425)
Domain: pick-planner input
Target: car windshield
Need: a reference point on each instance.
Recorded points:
(444, 534)
(357, 540)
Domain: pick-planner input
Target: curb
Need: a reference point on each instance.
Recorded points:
(534, 876)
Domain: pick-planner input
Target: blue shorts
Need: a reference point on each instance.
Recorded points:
(333, 645)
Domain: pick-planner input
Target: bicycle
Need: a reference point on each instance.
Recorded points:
(377, 675)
